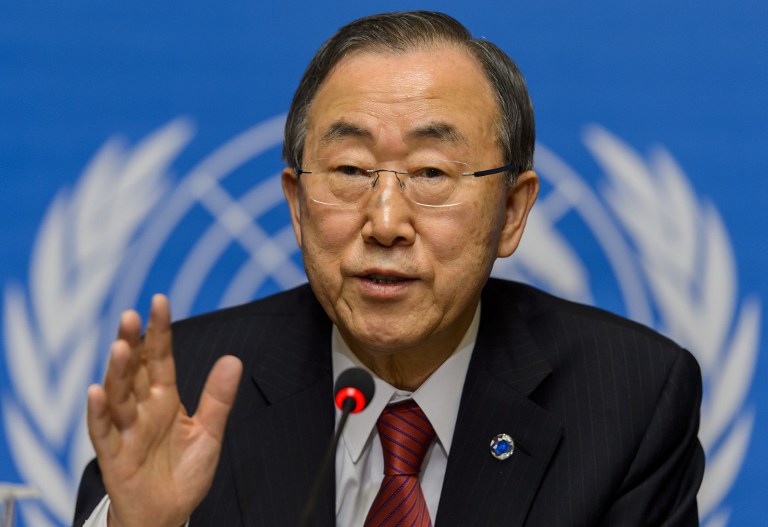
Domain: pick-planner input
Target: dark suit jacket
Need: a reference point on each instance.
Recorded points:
(604, 414)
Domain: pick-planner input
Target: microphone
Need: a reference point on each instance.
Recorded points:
(353, 391)
(355, 388)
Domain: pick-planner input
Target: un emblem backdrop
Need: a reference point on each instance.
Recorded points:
(140, 152)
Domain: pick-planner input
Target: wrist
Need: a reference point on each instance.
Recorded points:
(113, 521)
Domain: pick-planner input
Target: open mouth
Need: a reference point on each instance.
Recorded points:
(385, 279)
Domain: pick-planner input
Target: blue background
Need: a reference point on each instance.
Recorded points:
(691, 76)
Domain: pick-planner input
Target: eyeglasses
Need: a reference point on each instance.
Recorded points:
(344, 182)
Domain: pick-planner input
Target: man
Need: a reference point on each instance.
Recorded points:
(410, 152)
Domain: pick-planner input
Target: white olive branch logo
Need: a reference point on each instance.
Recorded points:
(685, 286)
(52, 329)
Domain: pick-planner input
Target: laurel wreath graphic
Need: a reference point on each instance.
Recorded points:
(52, 335)
(686, 257)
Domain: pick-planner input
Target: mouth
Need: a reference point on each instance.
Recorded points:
(384, 285)
(385, 279)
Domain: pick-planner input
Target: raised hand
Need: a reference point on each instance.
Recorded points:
(157, 462)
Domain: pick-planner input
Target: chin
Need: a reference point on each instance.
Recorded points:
(387, 343)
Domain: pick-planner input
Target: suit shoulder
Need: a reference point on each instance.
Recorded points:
(286, 303)
(248, 329)
(280, 329)
(585, 329)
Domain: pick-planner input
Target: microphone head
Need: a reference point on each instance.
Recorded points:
(357, 384)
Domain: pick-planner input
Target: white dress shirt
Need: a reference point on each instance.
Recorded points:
(359, 457)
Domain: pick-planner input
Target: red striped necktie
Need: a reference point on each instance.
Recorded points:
(405, 434)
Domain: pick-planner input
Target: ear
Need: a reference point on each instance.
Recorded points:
(291, 190)
(520, 199)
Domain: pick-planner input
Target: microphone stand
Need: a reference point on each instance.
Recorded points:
(8, 495)
(330, 455)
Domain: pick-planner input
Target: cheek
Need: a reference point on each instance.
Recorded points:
(438, 236)
(328, 231)
(461, 243)
(478, 222)
(326, 238)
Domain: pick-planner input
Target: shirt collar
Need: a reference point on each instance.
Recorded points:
(439, 396)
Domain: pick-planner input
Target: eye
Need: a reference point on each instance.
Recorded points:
(430, 173)
(351, 170)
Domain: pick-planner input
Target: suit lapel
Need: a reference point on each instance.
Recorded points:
(506, 366)
(285, 420)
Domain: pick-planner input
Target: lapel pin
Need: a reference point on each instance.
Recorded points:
(502, 446)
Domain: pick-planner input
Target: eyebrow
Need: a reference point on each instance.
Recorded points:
(340, 130)
(443, 132)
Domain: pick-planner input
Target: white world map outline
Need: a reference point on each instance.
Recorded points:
(68, 242)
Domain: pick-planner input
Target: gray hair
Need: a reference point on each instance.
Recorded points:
(399, 33)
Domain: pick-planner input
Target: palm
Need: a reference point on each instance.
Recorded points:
(157, 462)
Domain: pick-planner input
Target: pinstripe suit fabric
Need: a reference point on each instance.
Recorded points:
(604, 414)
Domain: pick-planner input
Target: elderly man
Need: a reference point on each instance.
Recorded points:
(410, 152)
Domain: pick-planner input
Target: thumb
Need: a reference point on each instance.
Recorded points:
(219, 395)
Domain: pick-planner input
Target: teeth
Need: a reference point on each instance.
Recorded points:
(379, 279)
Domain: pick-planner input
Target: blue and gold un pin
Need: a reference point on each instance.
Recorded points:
(502, 446)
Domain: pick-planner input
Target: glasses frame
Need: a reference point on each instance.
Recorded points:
(480, 173)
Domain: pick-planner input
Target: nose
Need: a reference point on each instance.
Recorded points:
(388, 213)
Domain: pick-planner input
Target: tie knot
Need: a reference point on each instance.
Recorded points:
(405, 434)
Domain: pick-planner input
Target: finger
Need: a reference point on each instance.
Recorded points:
(129, 330)
(118, 386)
(141, 384)
(158, 346)
(101, 429)
(219, 395)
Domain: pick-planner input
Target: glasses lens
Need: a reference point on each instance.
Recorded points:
(339, 182)
(436, 182)
(349, 182)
